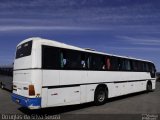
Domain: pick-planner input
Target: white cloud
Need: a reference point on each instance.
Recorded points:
(109, 28)
(142, 49)
(141, 40)
(27, 28)
(65, 12)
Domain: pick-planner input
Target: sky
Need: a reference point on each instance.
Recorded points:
(121, 27)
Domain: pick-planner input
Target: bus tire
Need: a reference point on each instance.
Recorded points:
(101, 95)
(149, 86)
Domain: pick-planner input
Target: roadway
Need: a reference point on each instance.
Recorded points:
(134, 106)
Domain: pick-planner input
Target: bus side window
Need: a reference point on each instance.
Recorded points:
(63, 60)
(83, 61)
(83, 64)
(147, 67)
(120, 64)
(128, 65)
(123, 65)
(139, 66)
(107, 63)
(96, 62)
(114, 63)
(50, 57)
(134, 65)
(143, 66)
(103, 63)
(71, 59)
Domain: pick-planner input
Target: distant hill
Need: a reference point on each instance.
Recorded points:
(158, 74)
(6, 65)
(6, 70)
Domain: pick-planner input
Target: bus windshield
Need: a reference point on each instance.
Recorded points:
(24, 50)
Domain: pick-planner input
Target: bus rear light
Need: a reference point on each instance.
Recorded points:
(31, 90)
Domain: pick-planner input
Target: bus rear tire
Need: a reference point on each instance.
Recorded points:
(101, 96)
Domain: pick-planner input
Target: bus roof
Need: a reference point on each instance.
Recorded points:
(63, 45)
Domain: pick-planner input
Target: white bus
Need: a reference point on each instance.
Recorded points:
(49, 73)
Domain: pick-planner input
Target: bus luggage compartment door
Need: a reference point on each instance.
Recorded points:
(63, 96)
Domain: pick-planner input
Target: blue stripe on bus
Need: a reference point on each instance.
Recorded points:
(26, 102)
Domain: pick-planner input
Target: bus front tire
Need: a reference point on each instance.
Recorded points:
(101, 96)
(149, 87)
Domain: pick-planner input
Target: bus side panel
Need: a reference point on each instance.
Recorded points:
(120, 88)
(83, 88)
(126, 88)
(44, 97)
(153, 84)
(37, 81)
(83, 96)
(71, 77)
(50, 78)
(138, 86)
(90, 92)
(117, 89)
(111, 90)
(63, 96)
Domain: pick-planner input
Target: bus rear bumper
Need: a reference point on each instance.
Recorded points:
(31, 103)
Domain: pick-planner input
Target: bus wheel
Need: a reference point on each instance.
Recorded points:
(100, 96)
(149, 87)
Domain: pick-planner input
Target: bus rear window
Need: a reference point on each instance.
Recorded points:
(24, 50)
